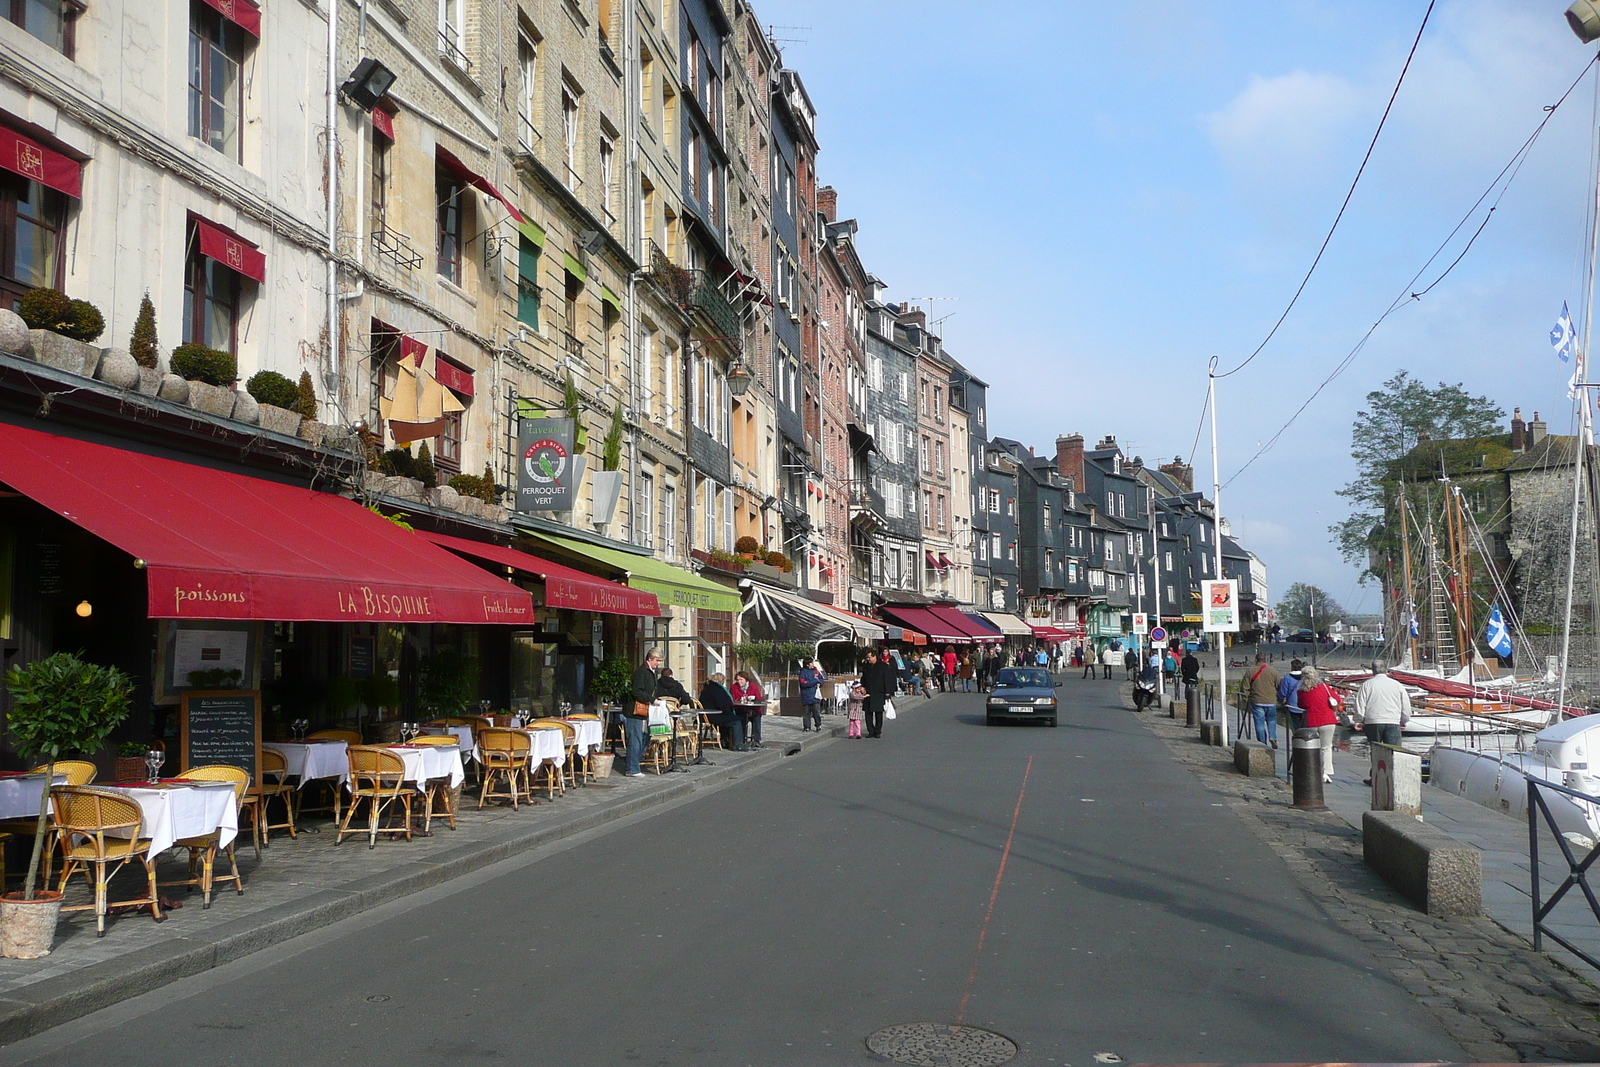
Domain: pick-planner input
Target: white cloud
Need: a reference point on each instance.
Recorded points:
(1286, 126)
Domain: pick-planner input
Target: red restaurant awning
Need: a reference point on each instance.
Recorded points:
(241, 13)
(1049, 633)
(925, 621)
(954, 618)
(452, 163)
(229, 249)
(383, 122)
(564, 587)
(220, 545)
(23, 155)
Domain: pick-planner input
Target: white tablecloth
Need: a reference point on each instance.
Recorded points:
(591, 734)
(312, 761)
(175, 812)
(431, 761)
(19, 795)
(462, 734)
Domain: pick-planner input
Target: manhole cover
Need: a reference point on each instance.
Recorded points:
(941, 1045)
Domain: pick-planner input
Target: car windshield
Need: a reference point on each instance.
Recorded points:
(1024, 678)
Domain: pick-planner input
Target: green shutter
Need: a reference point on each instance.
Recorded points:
(528, 282)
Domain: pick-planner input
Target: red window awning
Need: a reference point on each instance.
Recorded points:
(944, 562)
(220, 545)
(452, 163)
(564, 587)
(21, 154)
(1050, 633)
(241, 13)
(452, 376)
(933, 560)
(229, 249)
(925, 621)
(383, 122)
(954, 618)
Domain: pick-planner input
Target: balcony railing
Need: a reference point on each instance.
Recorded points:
(707, 299)
(573, 344)
(863, 496)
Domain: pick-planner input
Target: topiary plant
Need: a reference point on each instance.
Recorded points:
(142, 343)
(270, 387)
(306, 405)
(46, 309)
(61, 705)
(613, 682)
(780, 561)
(423, 469)
(87, 322)
(210, 365)
(611, 447)
(398, 462)
(747, 546)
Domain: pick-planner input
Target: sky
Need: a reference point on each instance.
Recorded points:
(1116, 193)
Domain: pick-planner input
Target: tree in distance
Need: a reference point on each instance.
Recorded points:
(1295, 609)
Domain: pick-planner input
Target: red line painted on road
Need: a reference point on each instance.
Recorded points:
(994, 894)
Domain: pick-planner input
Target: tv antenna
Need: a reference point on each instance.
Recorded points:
(929, 299)
(772, 34)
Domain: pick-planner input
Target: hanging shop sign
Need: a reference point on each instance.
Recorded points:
(546, 477)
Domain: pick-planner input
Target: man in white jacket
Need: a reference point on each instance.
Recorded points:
(1381, 707)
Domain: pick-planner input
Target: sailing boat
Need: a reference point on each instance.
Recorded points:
(417, 410)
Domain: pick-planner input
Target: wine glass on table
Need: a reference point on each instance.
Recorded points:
(153, 761)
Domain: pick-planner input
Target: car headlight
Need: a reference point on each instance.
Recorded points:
(998, 702)
(1047, 701)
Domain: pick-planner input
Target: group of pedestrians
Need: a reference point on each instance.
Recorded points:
(1380, 708)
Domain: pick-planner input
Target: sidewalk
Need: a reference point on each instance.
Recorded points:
(305, 883)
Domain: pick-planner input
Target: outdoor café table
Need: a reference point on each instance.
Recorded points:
(462, 734)
(591, 734)
(19, 794)
(426, 762)
(312, 761)
(177, 810)
(547, 745)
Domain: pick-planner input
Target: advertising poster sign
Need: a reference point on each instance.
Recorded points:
(545, 469)
(1219, 599)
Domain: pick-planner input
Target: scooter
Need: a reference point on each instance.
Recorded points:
(1144, 694)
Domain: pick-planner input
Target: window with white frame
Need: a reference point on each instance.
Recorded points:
(569, 133)
(645, 523)
(669, 521)
(453, 32)
(527, 93)
(608, 151)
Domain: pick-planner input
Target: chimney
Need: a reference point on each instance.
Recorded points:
(1536, 430)
(1069, 458)
(1107, 443)
(911, 316)
(1519, 431)
(828, 203)
(1180, 472)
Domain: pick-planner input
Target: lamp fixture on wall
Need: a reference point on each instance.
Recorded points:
(368, 83)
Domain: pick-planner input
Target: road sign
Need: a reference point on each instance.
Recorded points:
(1141, 623)
(1158, 634)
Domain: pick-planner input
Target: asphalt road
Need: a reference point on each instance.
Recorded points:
(782, 919)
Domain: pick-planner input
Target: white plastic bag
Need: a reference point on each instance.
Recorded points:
(888, 709)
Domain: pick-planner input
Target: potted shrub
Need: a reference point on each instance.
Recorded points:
(60, 705)
(606, 483)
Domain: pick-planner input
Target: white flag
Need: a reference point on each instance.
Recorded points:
(1563, 338)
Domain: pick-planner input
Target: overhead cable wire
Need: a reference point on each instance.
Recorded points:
(1349, 193)
(1410, 294)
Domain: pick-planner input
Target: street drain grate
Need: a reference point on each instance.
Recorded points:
(941, 1045)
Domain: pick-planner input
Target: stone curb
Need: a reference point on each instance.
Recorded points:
(42, 1005)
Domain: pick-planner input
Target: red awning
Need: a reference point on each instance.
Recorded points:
(383, 122)
(944, 562)
(450, 162)
(220, 545)
(932, 560)
(23, 155)
(954, 618)
(452, 376)
(241, 13)
(564, 587)
(925, 621)
(229, 249)
(1049, 633)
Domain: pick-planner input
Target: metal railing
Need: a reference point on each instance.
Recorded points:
(1577, 870)
(573, 344)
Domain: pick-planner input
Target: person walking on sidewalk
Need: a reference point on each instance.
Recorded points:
(1263, 686)
(1130, 661)
(858, 704)
(1381, 707)
(1321, 706)
(1089, 660)
(947, 680)
(925, 670)
(1289, 695)
(642, 688)
(879, 684)
(811, 679)
(965, 672)
(1108, 659)
(1191, 670)
(718, 704)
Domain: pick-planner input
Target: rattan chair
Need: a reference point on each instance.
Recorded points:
(377, 776)
(710, 733)
(557, 776)
(203, 850)
(86, 818)
(504, 755)
(349, 737)
(273, 785)
(437, 788)
(76, 772)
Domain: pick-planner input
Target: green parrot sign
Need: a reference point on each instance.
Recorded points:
(546, 468)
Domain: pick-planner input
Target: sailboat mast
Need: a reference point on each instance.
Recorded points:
(1410, 601)
(1464, 578)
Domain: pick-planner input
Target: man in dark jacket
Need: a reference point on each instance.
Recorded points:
(718, 705)
(1190, 668)
(811, 679)
(878, 680)
(668, 686)
(636, 720)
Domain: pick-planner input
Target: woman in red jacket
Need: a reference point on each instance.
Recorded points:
(751, 704)
(1321, 706)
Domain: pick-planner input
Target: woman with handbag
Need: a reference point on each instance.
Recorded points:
(637, 717)
(752, 704)
(811, 680)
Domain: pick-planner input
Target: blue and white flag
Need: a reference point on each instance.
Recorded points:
(1563, 338)
(1495, 636)
(1414, 631)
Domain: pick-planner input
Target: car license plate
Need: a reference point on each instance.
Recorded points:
(1022, 707)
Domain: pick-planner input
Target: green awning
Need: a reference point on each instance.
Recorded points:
(671, 584)
(574, 268)
(611, 298)
(532, 232)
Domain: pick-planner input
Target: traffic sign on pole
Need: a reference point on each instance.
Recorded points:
(1158, 634)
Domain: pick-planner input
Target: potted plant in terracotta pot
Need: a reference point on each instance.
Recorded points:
(60, 705)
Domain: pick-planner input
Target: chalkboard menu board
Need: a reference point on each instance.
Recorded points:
(222, 727)
(363, 652)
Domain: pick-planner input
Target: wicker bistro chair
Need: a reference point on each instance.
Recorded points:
(84, 818)
(274, 785)
(437, 789)
(377, 776)
(349, 737)
(585, 760)
(556, 777)
(76, 772)
(659, 741)
(203, 850)
(710, 733)
(504, 755)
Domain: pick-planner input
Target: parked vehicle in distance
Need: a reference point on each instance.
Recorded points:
(1022, 693)
(1305, 637)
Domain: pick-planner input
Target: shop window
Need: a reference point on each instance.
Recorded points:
(51, 21)
(216, 91)
(449, 455)
(31, 219)
(528, 283)
(450, 196)
(210, 301)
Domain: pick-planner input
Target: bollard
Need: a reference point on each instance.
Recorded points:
(1193, 698)
(1305, 761)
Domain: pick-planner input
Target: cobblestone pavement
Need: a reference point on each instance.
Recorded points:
(1496, 996)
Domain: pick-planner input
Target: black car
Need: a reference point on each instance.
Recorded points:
(1022, 693)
